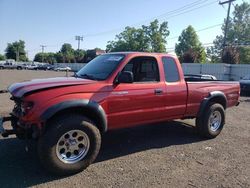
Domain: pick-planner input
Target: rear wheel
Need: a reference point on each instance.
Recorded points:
(211, 122)
(69, 145)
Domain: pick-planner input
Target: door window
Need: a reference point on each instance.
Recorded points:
(144, 69)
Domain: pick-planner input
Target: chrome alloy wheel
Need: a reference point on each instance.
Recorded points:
(72, 146)
(215, 120)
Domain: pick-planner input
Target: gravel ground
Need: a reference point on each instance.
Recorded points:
(161, 155)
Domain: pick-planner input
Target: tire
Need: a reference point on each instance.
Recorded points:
(48, 145)
(1, 67)
(215, 112)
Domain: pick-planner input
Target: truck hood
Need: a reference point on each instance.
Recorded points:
(20, 89)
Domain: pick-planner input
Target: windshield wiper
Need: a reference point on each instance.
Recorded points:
(88, 76)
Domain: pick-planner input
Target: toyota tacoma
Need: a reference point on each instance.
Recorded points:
(68, 115)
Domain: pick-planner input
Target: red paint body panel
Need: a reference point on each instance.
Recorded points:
(125, 105)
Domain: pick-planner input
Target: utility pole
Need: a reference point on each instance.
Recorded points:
(79, 38)
(43, 46)
(229, 2)
(17, 53)
(27, 52)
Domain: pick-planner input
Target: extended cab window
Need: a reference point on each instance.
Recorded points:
(144, 69)
(170, 69)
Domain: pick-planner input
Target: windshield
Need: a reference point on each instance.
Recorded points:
(101, 67)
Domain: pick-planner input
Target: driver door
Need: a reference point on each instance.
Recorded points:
(141, 101)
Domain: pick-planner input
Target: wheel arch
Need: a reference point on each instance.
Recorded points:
(90, 109)
(214, 97)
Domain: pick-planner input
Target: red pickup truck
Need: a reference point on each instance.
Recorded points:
(68, 115)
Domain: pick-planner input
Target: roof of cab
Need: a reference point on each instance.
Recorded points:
(144, 53)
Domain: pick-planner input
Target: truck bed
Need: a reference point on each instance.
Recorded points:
(198, 90)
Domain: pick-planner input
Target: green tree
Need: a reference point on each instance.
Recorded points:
(59, 57)
(230, 55)
(214, 52)
(238, 35)
(96, 48)
(189, 48)
(79, 55)
(150, 38)
(244, 54)
(157, 35)
(16, 50)
(2, 57)
(45, 57)
(51, 58)
(68, 53)
(127, 40)
(39, 57)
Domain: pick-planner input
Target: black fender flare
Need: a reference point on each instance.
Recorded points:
(83, 103)
(213, 96)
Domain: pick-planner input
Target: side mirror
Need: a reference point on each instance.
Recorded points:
(125, 77)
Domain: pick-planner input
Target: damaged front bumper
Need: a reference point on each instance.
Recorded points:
(20, 129)
(6, 132)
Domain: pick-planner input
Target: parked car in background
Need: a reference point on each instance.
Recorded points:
(44, 67)
(197, 77)
(50, 67)
(245, 85)
(32, 67)
(11, 65)
(62, 69)
(25, 65)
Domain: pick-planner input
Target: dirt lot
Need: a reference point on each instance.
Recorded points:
(163, 155)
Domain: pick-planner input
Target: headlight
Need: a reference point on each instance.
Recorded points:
(26, 106)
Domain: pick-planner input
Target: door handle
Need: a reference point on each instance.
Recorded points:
(158, 91)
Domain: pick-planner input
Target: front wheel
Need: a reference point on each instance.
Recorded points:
(69, 145)
(211, 122)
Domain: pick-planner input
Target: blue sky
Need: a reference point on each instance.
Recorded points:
(53, 22)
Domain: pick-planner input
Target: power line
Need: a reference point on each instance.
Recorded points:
(179, 11)
(57, 44)
(208, 44)
(197, 31)
(191, 10)
(184, 9)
